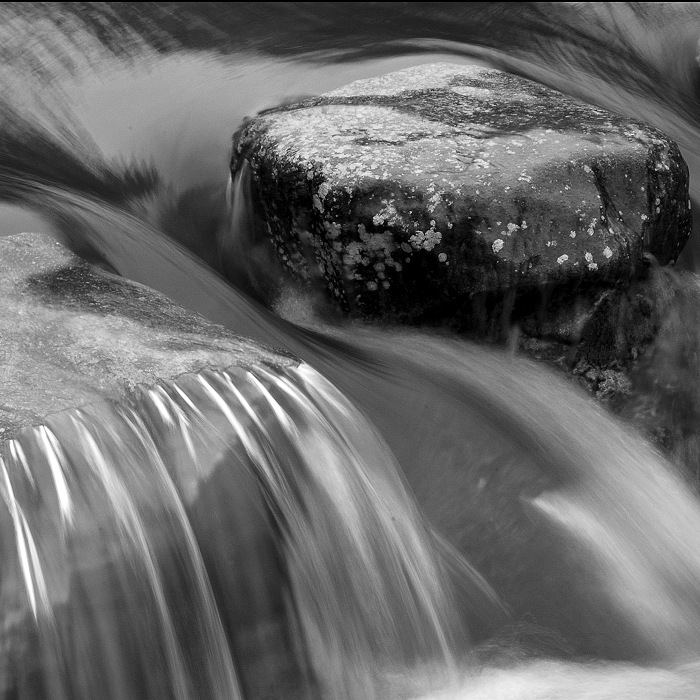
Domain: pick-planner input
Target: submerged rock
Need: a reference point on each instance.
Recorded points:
(457, 194)
(71, 334)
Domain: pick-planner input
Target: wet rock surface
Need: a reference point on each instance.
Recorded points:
(461, 195)
(71, 334)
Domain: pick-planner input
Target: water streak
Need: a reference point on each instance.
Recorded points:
(364, 584)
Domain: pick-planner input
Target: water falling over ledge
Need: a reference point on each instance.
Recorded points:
(218, 536)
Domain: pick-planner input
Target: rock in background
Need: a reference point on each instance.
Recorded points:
(464, 196)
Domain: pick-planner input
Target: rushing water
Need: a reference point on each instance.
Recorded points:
(454, 519)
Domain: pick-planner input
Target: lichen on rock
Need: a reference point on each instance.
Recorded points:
(451, 193)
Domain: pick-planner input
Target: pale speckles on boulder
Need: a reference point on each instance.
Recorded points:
(383, 182)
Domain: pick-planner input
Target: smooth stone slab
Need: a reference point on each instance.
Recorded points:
(71, 334)
(418, 191)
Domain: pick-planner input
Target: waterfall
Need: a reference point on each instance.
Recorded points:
(230, 531)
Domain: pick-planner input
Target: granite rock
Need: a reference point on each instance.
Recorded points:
(455, 194)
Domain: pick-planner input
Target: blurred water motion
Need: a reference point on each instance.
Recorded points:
(169, 548)
(454, 513)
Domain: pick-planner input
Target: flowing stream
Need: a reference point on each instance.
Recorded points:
(400, 514)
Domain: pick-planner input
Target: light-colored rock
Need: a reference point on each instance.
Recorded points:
(71, 334)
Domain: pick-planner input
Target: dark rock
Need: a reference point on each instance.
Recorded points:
(71, 334)
(663, 399)
(464, 195)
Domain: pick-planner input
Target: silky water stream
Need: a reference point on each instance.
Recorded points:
(396, 515)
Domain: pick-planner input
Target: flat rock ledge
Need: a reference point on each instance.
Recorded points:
(463, 195)
(71, 334)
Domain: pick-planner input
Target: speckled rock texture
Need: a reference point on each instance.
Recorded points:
(464, 195)
(71, 334)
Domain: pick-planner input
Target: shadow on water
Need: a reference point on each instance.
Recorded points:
(253, 534)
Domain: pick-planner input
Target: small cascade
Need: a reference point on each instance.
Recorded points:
(232, 534)
(245, 252)
(102, 571)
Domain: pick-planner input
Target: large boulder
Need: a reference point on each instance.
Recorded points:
(71, 334)
(452, 193)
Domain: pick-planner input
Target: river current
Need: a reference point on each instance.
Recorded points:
(404, 514)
